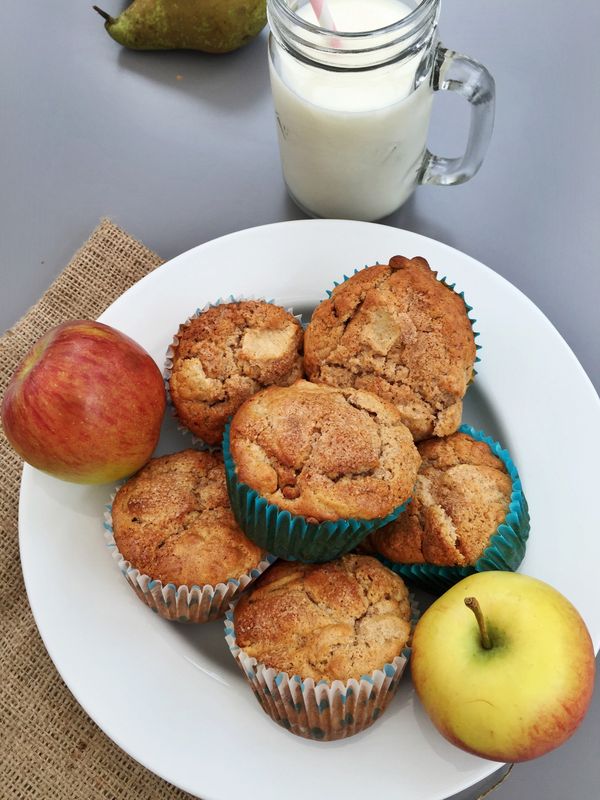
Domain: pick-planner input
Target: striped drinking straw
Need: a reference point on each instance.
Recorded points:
(323, 14)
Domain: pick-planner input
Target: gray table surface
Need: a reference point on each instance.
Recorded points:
(179, 148)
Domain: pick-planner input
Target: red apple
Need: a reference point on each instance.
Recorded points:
(85, 404)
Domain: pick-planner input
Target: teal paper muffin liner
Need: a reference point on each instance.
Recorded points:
(193, 604)
(198, 443)
(446, 283)
(290, 536)
(320, 710)
(507, 545)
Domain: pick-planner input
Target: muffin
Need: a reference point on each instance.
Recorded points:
(323, 646)
(467, 493)
(177, 539)
(224, 355)
(397, 331)
(312, 469)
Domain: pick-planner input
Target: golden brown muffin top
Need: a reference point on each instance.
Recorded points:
(225, 355)
(324, 453)
(173, 522)
(462, 494)
(331, 621)
(399, 332)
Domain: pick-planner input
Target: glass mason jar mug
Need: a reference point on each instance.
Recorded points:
(353, 107)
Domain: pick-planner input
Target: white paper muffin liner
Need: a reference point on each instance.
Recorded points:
(168, 367)
(320, 710)
(193, 604)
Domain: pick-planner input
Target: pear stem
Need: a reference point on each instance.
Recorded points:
(473, 604)
(103, 14)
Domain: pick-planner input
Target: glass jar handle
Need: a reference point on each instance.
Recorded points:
(456, 73)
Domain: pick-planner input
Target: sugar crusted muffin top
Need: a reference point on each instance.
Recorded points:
(324, 453)
(225, 355)
(332, 621)
(399, 332)
(173, 522)
(462, 494)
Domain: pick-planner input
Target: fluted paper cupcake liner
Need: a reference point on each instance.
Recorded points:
(446, 283)
(506, 548)
(193, 604)
(288, 535)
(168, 367)
(320, 710)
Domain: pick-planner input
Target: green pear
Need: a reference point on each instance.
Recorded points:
(213, 26)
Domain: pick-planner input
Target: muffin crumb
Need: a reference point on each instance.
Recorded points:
(324, 453)
(173, 522)
(332, 621)
(461, 496)
(225, 355)
(397, 331)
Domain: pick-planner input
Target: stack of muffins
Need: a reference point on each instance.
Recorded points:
(352, 478)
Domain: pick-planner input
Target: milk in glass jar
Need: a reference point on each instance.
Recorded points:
(353, 104)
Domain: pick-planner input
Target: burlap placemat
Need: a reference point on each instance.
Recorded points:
(50, 749)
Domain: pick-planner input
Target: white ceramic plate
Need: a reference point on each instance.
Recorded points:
(171, 695)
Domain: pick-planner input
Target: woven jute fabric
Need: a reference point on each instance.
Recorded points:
(50, 749)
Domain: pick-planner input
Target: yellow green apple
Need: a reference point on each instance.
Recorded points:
(85, 404)
(504, 666)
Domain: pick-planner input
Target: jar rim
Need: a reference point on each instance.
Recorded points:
(414, 19)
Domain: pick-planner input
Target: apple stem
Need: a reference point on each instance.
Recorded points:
(473, 604)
